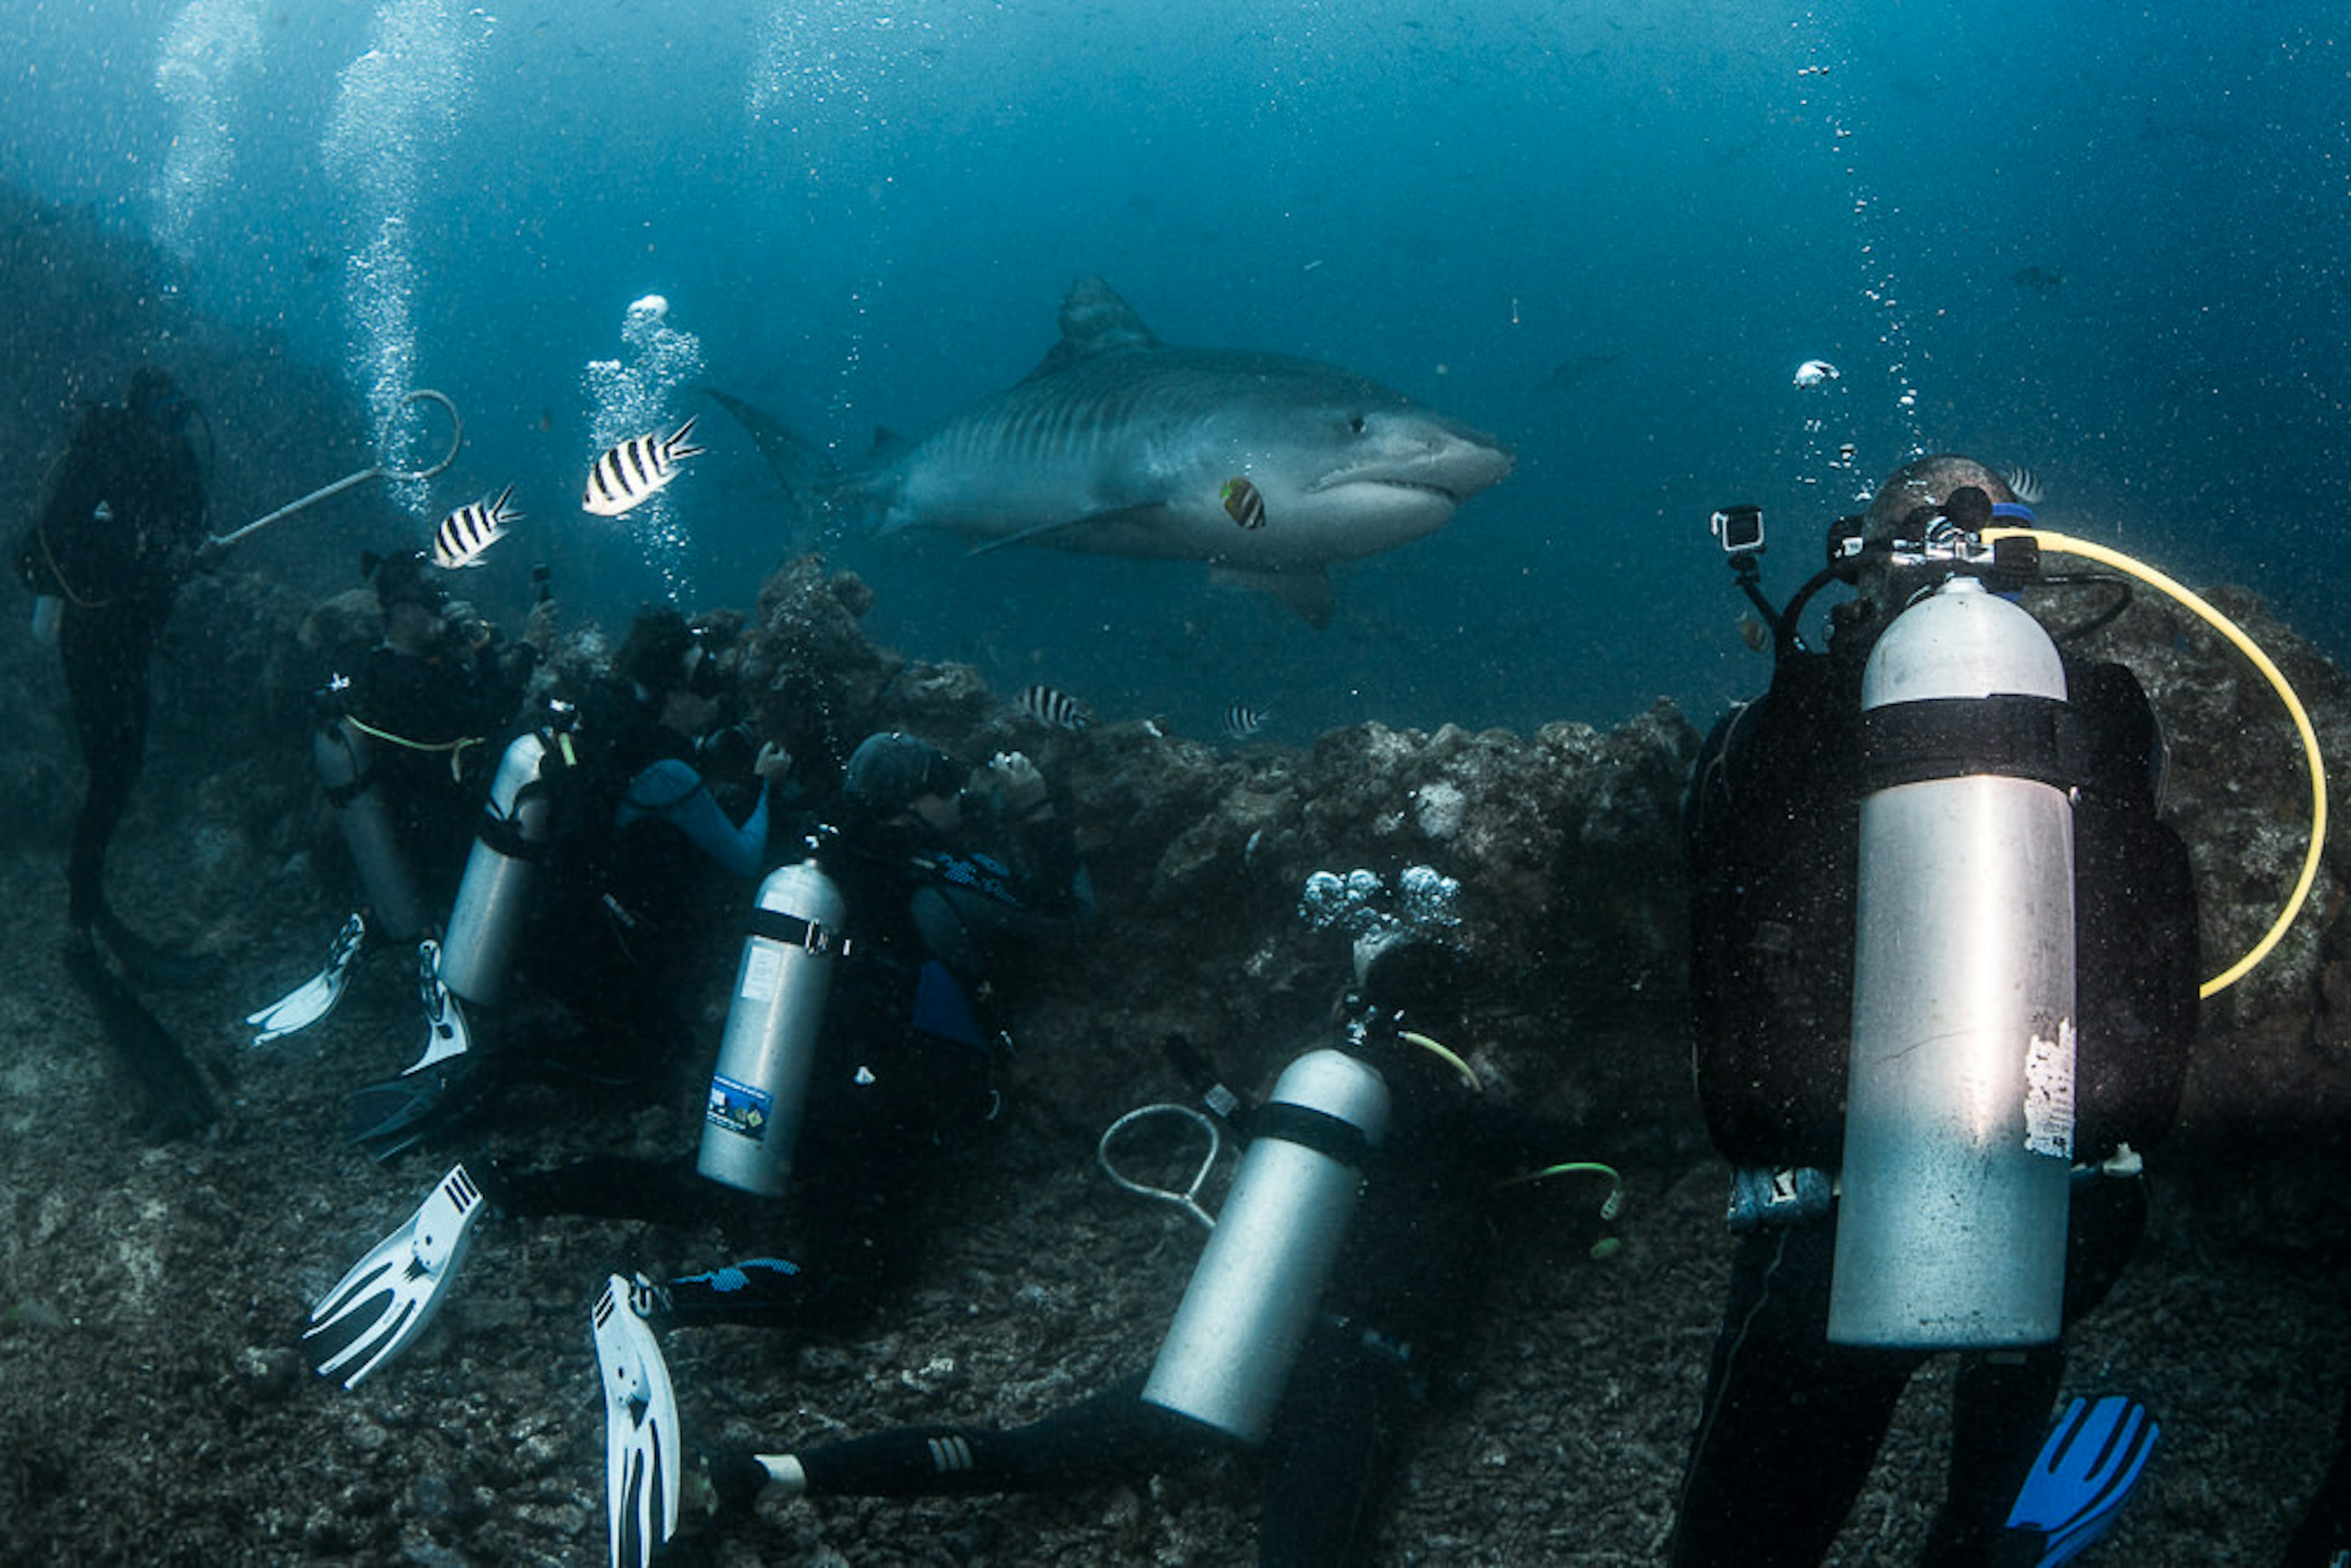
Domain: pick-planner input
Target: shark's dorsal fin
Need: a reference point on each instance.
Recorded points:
(1094, 320)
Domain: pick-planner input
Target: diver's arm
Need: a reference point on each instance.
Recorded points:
(672, 792)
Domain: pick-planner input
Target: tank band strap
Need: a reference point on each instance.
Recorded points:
(505, 836)
(342, 795)
(2011, 735)
(795, 932)
(1309, 1128)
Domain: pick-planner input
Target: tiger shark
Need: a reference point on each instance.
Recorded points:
(1266, 468)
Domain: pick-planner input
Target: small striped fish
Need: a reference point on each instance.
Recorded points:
(1055, 709)
(1244, 503)
(2026, 483)
(1242, 721)
(469, 530)
(626, 476)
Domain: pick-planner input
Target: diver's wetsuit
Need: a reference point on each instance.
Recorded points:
(118, 576)
(1415, 1259)
(903, 1063)
(1791, 1424)
(430, 723)
(639, 889)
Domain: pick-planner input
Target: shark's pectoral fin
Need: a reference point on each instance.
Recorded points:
(1306, 590)
(1124, 532)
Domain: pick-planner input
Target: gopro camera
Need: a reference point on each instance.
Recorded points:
(1738, 530)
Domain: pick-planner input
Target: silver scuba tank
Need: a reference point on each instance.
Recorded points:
(758, 1095)
(48, 614)
(1959, 1112)
(339, 750)
(494, 899)
(1260, 1281)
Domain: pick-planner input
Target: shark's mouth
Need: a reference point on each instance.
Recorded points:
(1341, 481)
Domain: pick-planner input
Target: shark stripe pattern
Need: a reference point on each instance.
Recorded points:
(1119, 444)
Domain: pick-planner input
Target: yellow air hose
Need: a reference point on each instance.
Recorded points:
(2204, 612)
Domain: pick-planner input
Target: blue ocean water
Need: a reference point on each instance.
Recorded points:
(2103, 242)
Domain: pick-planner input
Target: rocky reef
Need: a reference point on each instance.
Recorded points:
(151, 1297)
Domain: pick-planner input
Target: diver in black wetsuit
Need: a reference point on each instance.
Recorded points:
(1791, 1424)
(1413, 1265)
(645, 868)
(119, 527)
(425, 706)
(940, 866)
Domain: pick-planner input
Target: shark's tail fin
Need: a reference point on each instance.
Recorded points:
(806, 470)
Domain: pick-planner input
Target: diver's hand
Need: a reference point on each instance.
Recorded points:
(539, 630)
(772, 764)
(1023, 787)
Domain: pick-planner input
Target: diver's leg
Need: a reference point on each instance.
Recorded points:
(1334, 1445)
(1790, 1425)
(105, 664)
(1107, 1438)
(2001, 1401)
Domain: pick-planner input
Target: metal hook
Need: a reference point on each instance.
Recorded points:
(1189, 1200)
(456, 442)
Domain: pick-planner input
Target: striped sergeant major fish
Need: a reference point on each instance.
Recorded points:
(1242, 721)
(626, 476)
(1119, 444)
(464, 534)
(1054, 709)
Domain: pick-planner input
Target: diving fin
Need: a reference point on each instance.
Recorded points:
(394, 1117)
(446, 1080)
(390, 1295)
(176, 1099)
(315, 998)
(2083, 1473)
(642, 1474)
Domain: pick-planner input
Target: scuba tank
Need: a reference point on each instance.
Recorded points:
(1959, 1119)
(494, 899)
(758, 1094)
(1254, 1294)
(49, 614)
(339, 750)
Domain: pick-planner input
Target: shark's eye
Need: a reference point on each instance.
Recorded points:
(1358, 424)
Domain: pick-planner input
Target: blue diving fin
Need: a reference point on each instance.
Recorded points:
(2086, 1468)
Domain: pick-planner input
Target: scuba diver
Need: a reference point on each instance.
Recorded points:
(118, 527)
(603, 862)
(1942, 816)
(1348, 1257)
(401, 748)
(881, 1046)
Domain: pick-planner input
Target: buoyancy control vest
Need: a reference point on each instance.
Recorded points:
(1772, 828)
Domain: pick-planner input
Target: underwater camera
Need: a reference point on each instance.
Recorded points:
(1738, 530)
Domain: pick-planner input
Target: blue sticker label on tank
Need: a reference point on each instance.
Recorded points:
(740, 1109)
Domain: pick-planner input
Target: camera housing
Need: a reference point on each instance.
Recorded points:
(1738, 528)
